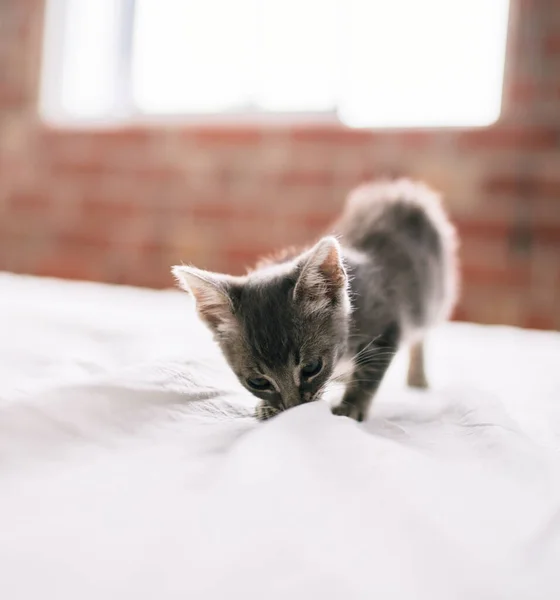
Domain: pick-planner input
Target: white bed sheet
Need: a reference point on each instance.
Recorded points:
(130, 466)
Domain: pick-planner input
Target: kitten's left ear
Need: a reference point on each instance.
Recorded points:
(323, 277)
(210, 291)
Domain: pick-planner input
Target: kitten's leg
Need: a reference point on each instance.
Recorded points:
(416, 374)
(368, 373)
(264, 411)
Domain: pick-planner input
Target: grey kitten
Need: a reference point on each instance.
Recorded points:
(289, 326)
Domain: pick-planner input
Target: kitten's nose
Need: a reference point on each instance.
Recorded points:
(291, 400)
(296, 399)
(309, 397)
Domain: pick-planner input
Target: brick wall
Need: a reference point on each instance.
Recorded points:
(122, 205)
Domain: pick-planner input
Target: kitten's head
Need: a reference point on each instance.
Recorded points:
(281, 328)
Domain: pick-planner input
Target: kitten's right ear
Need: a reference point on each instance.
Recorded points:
(210, 291)
(322, 279)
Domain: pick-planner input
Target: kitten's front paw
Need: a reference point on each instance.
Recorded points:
(264, 411)
(346, 409)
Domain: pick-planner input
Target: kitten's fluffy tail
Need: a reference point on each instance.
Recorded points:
(408, 208)
(370, 204)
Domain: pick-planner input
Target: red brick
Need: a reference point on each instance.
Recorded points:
(318, 221)
(517, 185)
(216, 135)
(485, 251)
(147, 247)
(547, 234)
(122, 135)
(515, 276)
(93, 208)
(138, 135)
(229, 211)
(85, 169)
(413, 139)
(486, 302)
(242, 257)
(218, 211)
(330, 134)
(551, 44)
(522, 92)
(93, 154)
(526, 92)
(532, 210)
(156, 279)
(66, 265)
(97, 169)
(84, 236)
(29, 201)
(307, 177)
(503, 137)
(545, 211)
(481, 228)
(539, 321)
(460, 314)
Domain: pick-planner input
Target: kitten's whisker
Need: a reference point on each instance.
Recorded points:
(375, 350)
(375, 354)
(342, 376)
(368, 350)
(372, 341)
(374, 362)
(374, 358)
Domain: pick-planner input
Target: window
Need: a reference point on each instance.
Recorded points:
(368, 63)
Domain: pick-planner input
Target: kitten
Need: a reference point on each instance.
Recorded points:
(285, 327)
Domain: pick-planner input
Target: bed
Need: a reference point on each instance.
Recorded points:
(131, 465)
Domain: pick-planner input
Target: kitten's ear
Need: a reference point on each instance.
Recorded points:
(210, 291)
(322, 278)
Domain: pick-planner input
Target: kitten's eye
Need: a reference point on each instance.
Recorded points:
(312, 368)
(259, 383)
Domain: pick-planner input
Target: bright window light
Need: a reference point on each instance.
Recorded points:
(371, 63)
(192, 56)
(423, 63)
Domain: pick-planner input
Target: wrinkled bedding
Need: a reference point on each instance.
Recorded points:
(131, 467)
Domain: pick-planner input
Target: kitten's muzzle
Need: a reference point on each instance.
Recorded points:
(265, 410)
(298, 399)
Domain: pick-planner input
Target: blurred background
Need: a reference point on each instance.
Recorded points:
(135, 134)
